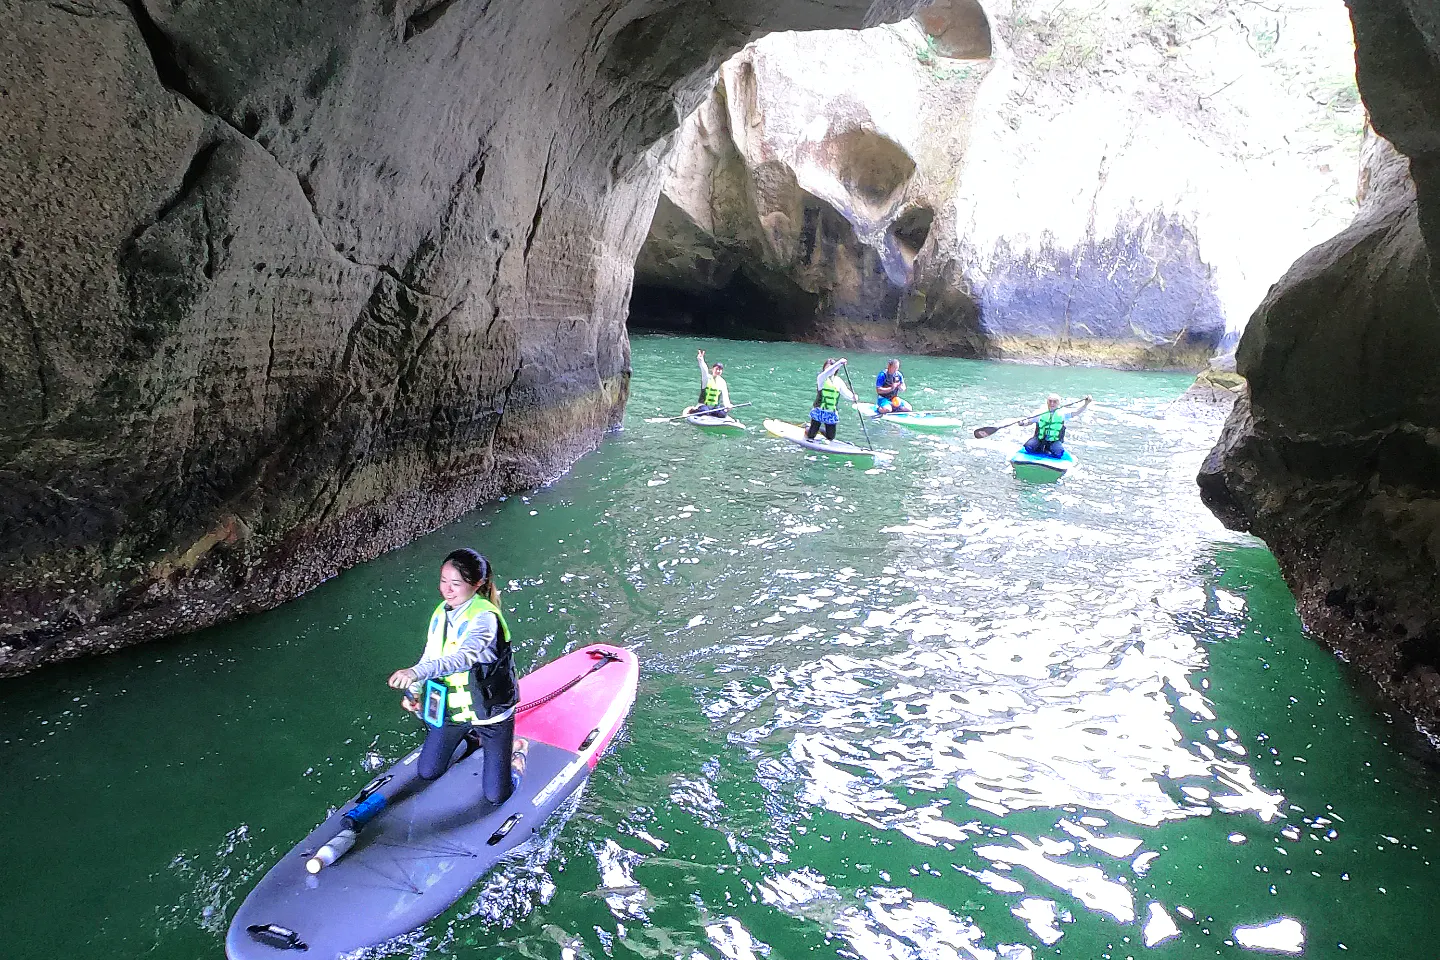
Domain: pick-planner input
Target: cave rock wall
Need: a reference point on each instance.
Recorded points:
(1334, 455)
(285, 285)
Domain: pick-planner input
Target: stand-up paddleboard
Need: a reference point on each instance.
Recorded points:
(419, 855)
(913, 419)
(1038, 468)
(832, 448)
(725, 424)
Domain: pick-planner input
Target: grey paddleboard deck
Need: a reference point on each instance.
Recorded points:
(409, 865)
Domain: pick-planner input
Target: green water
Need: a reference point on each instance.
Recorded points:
(918, 712)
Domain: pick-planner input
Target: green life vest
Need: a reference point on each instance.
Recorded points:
(441, 642)
(828, 396)
(711, 396)
(1050, 426)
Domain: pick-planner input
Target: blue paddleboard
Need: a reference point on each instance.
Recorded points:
(1038, 468)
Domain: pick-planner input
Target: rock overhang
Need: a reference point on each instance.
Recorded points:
(338, 272)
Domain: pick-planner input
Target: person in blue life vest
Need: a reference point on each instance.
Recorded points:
(465, 685)
(1050, 428)
(824, 415)
(714, 399)
(888, 386)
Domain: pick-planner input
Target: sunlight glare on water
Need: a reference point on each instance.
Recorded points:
(922, 710)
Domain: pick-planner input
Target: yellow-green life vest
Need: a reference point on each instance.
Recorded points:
(711, 396)
(441, 642)
(828, 396)
(1050, 426)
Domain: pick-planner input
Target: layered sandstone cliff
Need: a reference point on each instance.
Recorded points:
(284, 285)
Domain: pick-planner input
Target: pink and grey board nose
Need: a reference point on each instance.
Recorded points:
(585, 717)
(420, 855)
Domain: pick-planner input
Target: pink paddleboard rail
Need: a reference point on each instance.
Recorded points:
(601, 701)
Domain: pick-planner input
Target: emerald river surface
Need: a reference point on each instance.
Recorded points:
(922, 710)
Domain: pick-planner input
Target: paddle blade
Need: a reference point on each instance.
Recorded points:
(982, 432)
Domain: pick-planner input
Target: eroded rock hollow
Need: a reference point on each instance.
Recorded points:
(802, 191)
(283, 286)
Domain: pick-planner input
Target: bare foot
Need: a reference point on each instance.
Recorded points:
(517, 758)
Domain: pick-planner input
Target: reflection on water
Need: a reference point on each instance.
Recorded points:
(978, 660)
(924, 711)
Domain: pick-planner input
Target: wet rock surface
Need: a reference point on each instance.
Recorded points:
(284, 286)
(1332, 458)
(1212, 396)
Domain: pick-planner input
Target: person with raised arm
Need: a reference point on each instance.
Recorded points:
(714, 399)
(824, 415)
(1050, 428)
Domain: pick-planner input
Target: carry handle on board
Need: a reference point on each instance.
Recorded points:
(277, 936)
(372, 786)
(504, 828)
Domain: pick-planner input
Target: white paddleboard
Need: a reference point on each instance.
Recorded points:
(831, 448)
(912, 419)
(705, 422)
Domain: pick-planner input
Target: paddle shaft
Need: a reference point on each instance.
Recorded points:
(858, 415)
(982, 432)
(733, 406)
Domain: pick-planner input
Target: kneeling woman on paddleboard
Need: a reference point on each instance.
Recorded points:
(464, 686)
(828, 391)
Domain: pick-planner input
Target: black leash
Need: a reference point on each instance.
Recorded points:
(605, 657)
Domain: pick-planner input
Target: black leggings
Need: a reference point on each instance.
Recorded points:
(496, 739)
(815, 427)
(1048, 448)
